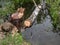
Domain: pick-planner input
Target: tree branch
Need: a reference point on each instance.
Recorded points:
(34, 2)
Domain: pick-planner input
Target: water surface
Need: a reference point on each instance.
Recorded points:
(41, 34)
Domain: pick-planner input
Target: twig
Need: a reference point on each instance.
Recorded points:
(34, 2)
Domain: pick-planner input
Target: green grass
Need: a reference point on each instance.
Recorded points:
(54, 11)
(16, 40)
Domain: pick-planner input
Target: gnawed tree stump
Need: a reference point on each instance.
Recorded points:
(18, 14)
(28, 22)
(8, 28)
(13, 24)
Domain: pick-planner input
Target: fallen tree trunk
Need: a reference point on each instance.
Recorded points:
(28, 22)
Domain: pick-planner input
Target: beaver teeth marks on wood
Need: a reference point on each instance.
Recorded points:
(18, 14)
(27, 23)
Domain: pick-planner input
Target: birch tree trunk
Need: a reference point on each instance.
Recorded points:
(28, 22)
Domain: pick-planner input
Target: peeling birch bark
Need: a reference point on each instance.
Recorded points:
(28, 22)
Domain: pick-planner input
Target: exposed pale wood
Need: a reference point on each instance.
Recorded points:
(27, 23)
(18, 14)
(14, 30)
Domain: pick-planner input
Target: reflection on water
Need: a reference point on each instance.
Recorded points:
(41, 34)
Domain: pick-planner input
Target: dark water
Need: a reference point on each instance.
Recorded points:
(41, 34)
